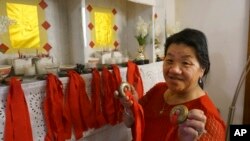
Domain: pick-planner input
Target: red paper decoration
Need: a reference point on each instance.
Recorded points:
(47, 47)
(89, 8)
(114, 11)
(3, 48)
(116, 44)
(91, 26)
(155, 16)
(43, 4)
(115, 27)
(91, 44)
(46, 25)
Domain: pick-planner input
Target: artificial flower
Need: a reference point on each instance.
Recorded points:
(141, 31)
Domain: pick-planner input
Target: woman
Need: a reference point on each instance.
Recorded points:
(185, 65)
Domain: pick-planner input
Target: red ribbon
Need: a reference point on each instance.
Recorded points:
(118, 80)
(138, 126)
(57, 117)
(134, 78)
(17, 123)
(96, 98)
(87, 111)
(73, 100)
(108, 90)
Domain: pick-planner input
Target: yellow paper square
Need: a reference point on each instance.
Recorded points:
(103, 34)
(25, 33)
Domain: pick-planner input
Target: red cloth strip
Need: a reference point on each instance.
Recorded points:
(87, 111)
(118, 80)
(96, 98)
(134, 78)
(17, 123)
(108, 96)
(57, 119)
(138, 126)
(73, 102)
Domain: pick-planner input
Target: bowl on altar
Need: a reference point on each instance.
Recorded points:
(4, 71)
(52, 68)
(67, 67)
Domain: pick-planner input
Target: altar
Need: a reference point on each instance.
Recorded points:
(34, 91)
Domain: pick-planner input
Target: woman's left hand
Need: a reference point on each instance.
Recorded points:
(194, 126)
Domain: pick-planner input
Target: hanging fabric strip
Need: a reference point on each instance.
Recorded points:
(96, 98)
(108, 96)
(17, 123)
(86, 109)
(134, 78)
(138, 126)
(118, 80)
(57, 119)
(73, 102)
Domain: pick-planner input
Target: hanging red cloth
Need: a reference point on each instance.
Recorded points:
(73, 102)
(118, 80)
(96, 98)
(134, 78)
(138, 126)
(57, 117)
(87, 111)
(17, 123)
(108, 90)
(117, 75)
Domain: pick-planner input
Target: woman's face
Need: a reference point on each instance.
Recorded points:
(181, 68)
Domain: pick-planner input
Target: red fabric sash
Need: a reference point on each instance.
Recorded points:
(134, 78)
(17, 123)
(118, 80)
(87, 111)
(96, 98)
(138, 126)
(57, 119)
(73, 102)
(108, 89)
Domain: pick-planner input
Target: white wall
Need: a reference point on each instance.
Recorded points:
(56, 15)
(225, 22)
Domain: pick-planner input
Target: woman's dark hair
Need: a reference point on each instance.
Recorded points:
(194, 39)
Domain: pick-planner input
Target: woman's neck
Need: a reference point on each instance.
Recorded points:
(173, 98)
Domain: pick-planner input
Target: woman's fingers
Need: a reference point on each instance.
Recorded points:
(194, 126)
(124, 100)
(128, 117)
(197, 114)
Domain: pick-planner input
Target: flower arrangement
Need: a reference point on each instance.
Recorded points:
(141, 31)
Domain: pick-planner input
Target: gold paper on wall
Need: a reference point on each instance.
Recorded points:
(103, 34)
(25, 33)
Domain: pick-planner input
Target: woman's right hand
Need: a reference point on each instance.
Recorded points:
(126, 101)
(193, 128)
(128, 117)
